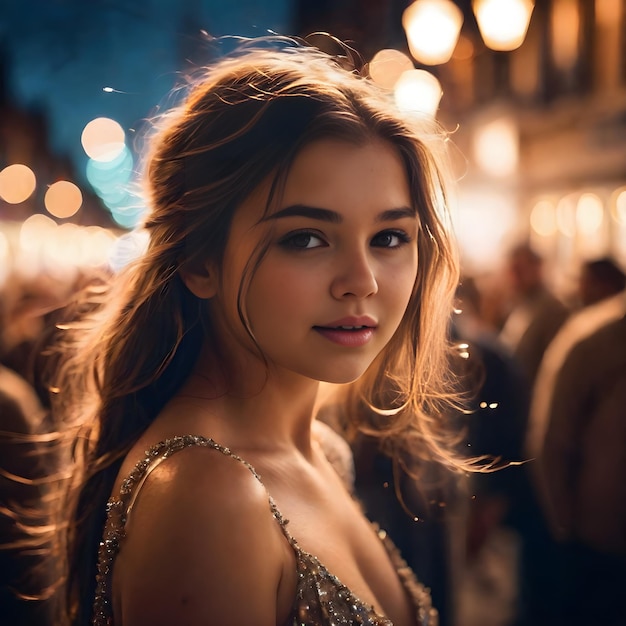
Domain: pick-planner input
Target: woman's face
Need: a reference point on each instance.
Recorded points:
(339, 272)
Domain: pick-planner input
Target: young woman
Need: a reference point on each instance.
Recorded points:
(296, 236)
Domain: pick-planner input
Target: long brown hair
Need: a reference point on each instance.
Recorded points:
(244, 119)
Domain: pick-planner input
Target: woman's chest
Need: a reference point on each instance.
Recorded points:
(329, 525)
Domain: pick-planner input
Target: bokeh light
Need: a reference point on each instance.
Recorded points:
(111, 180)
(589, 213)
(496, 147)
(484, 220)
(63, 199)
(97, 244)
(128, 248)
(503, 23)
(618, 206)
(35, 230)
(543, 218)
(128, 215)
(418, 91)
(566, 215)
(432, 29)
(387, 66)
(103, 139)
(17, 183)
(60, 252)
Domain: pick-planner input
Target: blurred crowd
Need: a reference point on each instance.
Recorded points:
(31, 455)
(547, 537)
(541, 540)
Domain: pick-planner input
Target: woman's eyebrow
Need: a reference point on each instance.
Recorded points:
(302, 210)
(396, 214)
(326, 215)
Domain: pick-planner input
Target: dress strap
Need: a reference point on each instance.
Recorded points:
(119, 508)
(162, 451)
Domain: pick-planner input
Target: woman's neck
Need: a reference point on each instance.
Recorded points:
(252, 405)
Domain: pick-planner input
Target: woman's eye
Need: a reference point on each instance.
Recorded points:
(390, 239)
(302, 241)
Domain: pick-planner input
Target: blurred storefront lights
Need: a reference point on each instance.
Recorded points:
(589, 214)
(618, 206)
(432, 29)
(485, 220)
(496, 147)
(17, 183)
(60, 253)
(61, 250)
(418, 91)
(592, 239)
(97, 244)
(34, 230)
(503, 23)
(543, 218)
(566, 215)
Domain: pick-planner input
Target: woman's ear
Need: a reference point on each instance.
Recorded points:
(201, 279)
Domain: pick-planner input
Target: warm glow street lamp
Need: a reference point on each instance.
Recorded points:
(503, 23)
(432, 27)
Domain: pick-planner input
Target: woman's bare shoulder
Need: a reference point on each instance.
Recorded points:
(201, 546)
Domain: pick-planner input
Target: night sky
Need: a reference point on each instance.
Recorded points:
(61, 54)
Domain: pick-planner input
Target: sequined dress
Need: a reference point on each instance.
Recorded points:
(321, 598)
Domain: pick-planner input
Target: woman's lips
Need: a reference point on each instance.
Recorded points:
(351, 338)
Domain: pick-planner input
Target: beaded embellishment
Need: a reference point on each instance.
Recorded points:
(321, 598)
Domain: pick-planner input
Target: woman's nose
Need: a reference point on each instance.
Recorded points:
(354, 276)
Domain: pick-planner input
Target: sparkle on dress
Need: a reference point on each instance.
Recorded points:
(321, 598)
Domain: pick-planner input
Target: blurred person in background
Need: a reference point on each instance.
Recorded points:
(562, 430)
(31, 460)
(599, 279)
(497, 412)
(606, 302)
(26, 465)
(498, 402)
(26, 303)
(536, 313)
(580, 472)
